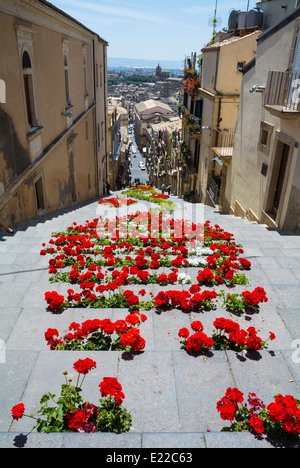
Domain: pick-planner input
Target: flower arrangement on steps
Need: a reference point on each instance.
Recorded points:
(227, 335)
(279, 419)
(139, 244)
(71, 413)
(97, 335)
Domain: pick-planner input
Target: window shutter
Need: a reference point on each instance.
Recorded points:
(199, 108)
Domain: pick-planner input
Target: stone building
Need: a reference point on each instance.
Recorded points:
(53, 123)
(263, 180)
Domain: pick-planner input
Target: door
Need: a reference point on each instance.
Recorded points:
(281, 177)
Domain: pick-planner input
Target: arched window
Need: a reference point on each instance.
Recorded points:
(28, 89)
(26, 62)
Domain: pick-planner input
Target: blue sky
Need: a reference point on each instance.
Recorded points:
(157, 29)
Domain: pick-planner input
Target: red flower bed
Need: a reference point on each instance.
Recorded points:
(98, 334)
(159, 195)
(278, 419)
(117, 201)
(72, 414)
(237, 340)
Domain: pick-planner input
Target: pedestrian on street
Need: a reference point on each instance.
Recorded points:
(169, 189)
(163, 187)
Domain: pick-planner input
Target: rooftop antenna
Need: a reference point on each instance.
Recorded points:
(215, 22)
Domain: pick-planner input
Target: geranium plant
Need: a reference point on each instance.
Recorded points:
(100, 335)
(196, 342)
(185, 300)
(70, 413)
(279, 419)
(229, 335)
(237, 339)
(240, 303)
(88, 298)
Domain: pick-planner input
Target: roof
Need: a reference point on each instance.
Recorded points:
(228, 41)
(170, 125)
(63, 13)
(152, 104)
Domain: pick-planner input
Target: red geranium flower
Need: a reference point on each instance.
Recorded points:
(183, 333)
(83, 366)
(257, 424)
(76, 420)
(111, 387)
(18, 411)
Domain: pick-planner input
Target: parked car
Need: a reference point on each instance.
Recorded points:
(142, 166)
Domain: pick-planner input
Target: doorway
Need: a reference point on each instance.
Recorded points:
(281, 177)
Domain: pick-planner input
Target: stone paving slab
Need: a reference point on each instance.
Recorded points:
(172, 395)
(136, 443)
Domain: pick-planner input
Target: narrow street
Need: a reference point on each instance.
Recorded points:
(137, 158)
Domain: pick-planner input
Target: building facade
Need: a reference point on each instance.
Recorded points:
(264, 180)
(118, 145)
(162, 153)
(210, 109)
(53, 123)
(146, 113)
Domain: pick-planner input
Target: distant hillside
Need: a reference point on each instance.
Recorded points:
(119, 63)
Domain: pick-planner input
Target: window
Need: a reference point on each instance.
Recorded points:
(28, 90)
(185, 99)
(199, 111)
(85, 72)
(265, 135)
(67, 83)
(197, 155)
(101, 75)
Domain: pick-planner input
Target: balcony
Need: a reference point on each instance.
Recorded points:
(190, 122)
(282, 95)
(224, 142)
